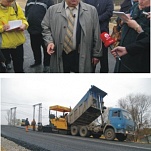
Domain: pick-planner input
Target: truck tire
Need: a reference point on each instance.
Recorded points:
(109, 134)
(84, 132)
(74, 130)
(121, 137)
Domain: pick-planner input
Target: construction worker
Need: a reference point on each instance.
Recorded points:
(26, 124)
(33, 123)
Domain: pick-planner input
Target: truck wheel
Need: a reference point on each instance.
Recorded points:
(84, 132)
(121, 137)
(74, 130)
(96, 135)
(109, 134)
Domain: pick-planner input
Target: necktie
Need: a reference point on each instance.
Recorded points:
(68, 41)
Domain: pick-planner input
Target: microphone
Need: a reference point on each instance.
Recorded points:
(108, 41)
(74, 15)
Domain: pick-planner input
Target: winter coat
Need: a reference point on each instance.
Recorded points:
(141, 46)
(26, 123)
(34, 12)
(105, 11)
(11, 39)
(54, 24)
(33, 123)
(129, 36)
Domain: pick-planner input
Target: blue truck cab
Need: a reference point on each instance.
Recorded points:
(118, 125)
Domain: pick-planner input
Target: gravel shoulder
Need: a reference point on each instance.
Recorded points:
(7, 145)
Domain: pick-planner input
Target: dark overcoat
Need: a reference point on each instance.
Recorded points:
(134, 63)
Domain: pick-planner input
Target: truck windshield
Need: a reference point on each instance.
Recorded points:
(127, 115)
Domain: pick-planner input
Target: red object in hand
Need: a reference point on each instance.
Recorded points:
(107, 39)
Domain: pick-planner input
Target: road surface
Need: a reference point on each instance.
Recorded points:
(39, 141)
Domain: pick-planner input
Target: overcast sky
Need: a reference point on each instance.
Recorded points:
(64, 89)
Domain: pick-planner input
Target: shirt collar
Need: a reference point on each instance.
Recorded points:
(66, 6)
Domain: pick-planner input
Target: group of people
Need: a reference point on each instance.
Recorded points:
(134, 47)
(69, 33)
(33, 123)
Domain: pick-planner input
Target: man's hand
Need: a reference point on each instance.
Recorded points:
(149, 15)
(50, 48)
(121, 51)
(95, 61)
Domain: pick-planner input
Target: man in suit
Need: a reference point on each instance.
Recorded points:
(105, 11)
(85, 50)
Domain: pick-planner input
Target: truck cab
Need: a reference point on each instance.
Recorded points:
(119, 123)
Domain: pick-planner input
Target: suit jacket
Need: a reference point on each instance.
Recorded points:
(126, 5)
(105, 11)
(54, 29)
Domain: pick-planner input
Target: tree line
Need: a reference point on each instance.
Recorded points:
(139, 105)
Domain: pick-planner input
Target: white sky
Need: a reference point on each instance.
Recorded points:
(64, 89)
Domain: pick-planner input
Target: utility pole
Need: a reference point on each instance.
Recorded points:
(34, 111)
(8, 113)
(12, 116)
(39, 112)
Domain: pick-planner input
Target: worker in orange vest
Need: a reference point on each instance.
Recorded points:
(33, 123)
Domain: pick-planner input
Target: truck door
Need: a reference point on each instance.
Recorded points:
(116, 119)
(128, 121)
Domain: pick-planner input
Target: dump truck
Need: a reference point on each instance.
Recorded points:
(82, 120)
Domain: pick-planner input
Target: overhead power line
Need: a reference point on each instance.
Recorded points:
(16, 104)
